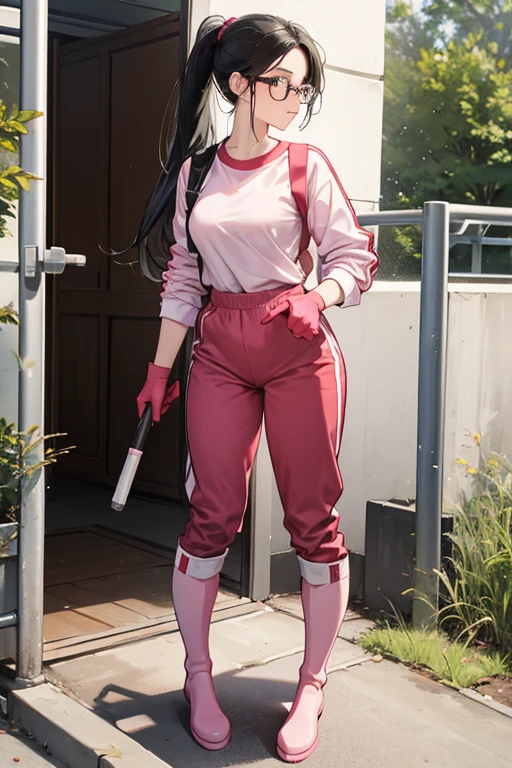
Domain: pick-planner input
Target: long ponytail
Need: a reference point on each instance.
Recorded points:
(249, 45)
(193, 132)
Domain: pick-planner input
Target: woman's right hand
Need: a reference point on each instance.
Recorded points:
(156, 391)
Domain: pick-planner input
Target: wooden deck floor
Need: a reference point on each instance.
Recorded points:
(100, 583)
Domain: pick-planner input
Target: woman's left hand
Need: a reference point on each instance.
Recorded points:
(304, 314)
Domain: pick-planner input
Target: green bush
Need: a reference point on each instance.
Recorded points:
(18, 459)
(12, 177)
(19, 450)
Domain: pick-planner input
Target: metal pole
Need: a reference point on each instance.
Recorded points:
(32, 239)
(476, 254)
(431, 403)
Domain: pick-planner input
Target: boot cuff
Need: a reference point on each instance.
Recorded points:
(198, 567)
(317, 574)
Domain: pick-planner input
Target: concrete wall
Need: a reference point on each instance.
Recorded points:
(379, 340)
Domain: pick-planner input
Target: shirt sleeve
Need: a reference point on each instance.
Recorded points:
(345, 249)
(182, 290)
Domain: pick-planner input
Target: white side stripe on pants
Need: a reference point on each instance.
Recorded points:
(190, 480)
(336, 353)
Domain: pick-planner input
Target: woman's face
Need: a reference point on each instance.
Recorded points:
(291, 69)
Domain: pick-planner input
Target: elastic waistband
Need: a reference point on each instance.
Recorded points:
(250, 300)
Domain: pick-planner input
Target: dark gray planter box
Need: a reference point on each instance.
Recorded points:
(8, 586)
(390, 553)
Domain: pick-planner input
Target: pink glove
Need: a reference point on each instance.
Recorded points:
(304, 314)
(156, 391)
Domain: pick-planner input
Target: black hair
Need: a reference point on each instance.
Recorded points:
(249, 45)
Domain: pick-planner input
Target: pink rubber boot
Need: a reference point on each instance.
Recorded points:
(324, 603)
(194, 587)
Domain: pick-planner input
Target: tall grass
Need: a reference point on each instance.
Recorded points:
(476, 586)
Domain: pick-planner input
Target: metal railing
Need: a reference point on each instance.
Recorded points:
(438, 220)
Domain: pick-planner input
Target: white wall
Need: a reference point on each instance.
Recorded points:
(479, 392)
(9, 17)
(379, 340)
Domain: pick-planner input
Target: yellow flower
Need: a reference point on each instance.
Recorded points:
(461, 461)
(472, 471)
(476, 437)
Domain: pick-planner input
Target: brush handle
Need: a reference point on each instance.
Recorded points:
(132, 460)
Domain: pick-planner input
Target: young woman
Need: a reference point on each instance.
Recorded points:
(262, 344)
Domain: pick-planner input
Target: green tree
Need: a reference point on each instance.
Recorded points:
(447, 131)
(454, 141)
(457, 19)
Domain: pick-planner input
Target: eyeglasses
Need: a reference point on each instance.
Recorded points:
(280, 87)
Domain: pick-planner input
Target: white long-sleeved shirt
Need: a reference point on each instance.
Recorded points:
(247, 228)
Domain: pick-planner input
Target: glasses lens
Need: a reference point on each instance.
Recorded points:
(279, 91)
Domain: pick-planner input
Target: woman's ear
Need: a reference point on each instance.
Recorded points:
(237, 83)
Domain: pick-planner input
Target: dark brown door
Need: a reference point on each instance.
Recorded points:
(111, 94)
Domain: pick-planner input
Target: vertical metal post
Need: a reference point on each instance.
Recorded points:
(32, 240)
(476, 254)
(431, 406)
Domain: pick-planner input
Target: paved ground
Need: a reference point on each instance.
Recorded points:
(376, 714)
(21, 750)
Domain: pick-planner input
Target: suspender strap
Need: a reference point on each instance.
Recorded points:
(199, 167)
(298, 166)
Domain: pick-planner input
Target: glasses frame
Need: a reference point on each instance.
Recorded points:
(300, 90)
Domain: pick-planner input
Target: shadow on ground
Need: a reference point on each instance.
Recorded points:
(161, 722)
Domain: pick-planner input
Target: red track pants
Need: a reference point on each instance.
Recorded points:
(240, 371)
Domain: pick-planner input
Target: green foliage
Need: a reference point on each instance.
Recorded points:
(12, 177)
(454, 663)
(22, 456)
(474, 638)
(447, 130)
(492, 18)
(399, 11)
(8, 315)
(478, 592)
(476, 585)
(454, 141)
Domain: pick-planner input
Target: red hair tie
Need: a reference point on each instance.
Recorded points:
(226, 24)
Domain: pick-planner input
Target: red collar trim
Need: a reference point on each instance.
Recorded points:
(252, 162)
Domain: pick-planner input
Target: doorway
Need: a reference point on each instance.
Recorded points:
(109, 99)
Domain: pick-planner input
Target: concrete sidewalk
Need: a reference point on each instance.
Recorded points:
(376, 714)
(16, 749)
